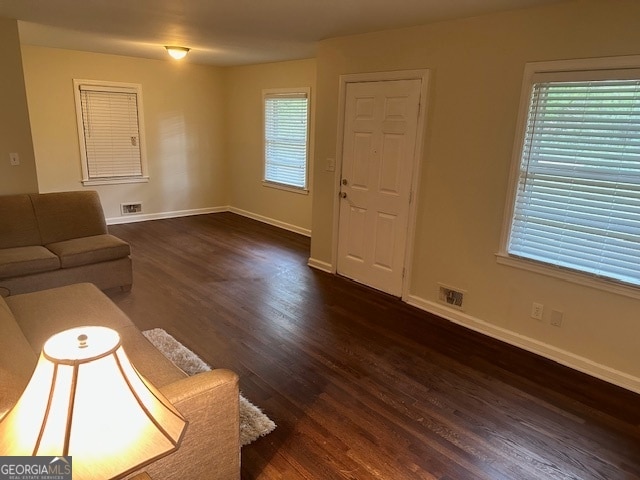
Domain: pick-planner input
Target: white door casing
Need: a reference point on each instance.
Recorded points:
(378, 152)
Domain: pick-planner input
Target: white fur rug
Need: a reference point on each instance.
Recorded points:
(253, 423)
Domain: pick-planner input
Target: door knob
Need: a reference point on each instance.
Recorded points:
(344, 181)
(343, 194)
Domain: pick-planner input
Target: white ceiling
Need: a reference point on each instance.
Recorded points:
(225, 32)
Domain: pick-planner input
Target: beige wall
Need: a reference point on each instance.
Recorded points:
(203, 133)
(197, 118)
(15, 133)
(245, 137)
(183, 117)
(476, 72)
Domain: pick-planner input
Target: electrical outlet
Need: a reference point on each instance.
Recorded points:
(14, 159)
(537, 310)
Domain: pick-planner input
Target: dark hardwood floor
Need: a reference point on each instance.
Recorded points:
(361, 385)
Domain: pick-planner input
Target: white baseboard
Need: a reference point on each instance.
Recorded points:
(271, 221)
(556, 354)
(202, 211)
(320, 265)
(158, 216)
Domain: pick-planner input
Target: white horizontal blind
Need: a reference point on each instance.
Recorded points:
(285, 139)
(578, 198)
(111, 132)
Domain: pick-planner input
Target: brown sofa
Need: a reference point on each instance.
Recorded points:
(54, 239)
(210, 449)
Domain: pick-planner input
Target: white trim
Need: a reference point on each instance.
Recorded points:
(113, 181)
(563, 357)
(630, 62)
(570, 276)
(514, 170)
(320, 265)
(134, 218)
(597, 63)
(286, 93)
(286, 188)
(111, 86)
(530, 69)
(271, 221)
(423, 76)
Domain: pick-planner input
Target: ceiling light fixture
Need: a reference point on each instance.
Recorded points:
(177, 52)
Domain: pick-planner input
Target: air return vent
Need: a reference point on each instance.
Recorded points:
(451, 296)
(131, 208)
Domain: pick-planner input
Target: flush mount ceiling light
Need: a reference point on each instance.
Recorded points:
(177, 52)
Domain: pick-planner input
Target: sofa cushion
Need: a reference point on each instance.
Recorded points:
(17, 359)
(86, 250)
(65, 215)
(20, 261)
(42, 314)
(18, 226)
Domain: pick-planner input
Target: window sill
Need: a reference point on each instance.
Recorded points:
(114, 181)
(279, 186)
(569, 275)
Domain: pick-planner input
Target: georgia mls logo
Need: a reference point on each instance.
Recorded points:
(35, 468)
(60, 466)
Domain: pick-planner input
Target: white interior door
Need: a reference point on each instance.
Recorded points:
(380, 127)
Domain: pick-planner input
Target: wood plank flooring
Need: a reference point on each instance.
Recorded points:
(361, 385)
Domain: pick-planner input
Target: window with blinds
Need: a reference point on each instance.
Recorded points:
(577, 199)
(286, 127)
(110, 131)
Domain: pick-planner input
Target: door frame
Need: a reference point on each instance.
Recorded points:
(423, 76)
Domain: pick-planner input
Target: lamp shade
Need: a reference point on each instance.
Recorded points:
(85, 399)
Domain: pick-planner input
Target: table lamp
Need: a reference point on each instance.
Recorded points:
(85, 399)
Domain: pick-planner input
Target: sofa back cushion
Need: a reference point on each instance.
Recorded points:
(66, 215)
(18, 225)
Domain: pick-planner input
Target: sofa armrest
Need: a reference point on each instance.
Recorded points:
(210, 448)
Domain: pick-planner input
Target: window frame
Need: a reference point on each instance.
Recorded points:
(567, 70)
(134, 88)
(274, 92)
